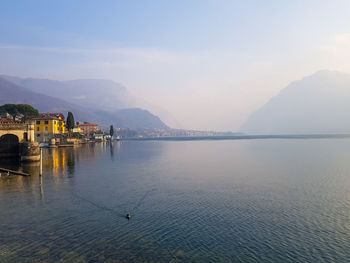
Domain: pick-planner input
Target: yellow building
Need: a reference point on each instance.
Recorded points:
(48, 126)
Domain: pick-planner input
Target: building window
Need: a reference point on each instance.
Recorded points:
(38, 135)
(46, 129)
(46, 122)
(37, 122)
(37, 129)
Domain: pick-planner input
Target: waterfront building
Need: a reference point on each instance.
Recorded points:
(88, 128)
(77, 129)
(48, 126)
(99, 137)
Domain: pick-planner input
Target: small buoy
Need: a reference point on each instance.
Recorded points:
(128, 216)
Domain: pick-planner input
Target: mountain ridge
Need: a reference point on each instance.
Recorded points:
(14, 93)
(96, 93)
(315, 104)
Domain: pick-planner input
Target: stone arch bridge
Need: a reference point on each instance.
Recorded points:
(17, 140)
(23, 131)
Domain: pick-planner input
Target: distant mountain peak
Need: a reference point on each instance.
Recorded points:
(318, 103)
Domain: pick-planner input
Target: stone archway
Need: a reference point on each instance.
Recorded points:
(9, 146)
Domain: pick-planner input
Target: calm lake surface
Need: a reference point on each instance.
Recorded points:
(277, 200)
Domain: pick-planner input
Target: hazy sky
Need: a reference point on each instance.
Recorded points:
(209, 63)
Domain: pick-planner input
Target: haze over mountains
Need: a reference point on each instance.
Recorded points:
(102, 101)
(319, 103)
(96, 93)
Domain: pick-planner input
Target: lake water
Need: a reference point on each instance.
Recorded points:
(277, 200)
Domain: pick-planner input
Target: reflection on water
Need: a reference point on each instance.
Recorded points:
(190, 201)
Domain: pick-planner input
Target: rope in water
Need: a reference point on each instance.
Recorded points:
(139, 203)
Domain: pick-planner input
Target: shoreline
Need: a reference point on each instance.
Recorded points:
(240, 137)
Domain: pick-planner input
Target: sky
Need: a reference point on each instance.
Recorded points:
(208, 63)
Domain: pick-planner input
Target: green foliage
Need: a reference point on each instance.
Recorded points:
(111, 130)
(70, 121)
(22, 110)
(77, 135)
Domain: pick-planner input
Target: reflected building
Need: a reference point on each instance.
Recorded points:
(60, 161)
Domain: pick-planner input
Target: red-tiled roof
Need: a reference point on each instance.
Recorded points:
(49, 116)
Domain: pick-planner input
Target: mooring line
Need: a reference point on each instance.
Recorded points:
(135, 208)
(102, 207)
(94, 204)
(139, 203)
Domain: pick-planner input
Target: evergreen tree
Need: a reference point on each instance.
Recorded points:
(70, 121)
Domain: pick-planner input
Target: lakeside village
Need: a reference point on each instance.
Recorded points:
(50, 130)
(53, 130)
(23, 131)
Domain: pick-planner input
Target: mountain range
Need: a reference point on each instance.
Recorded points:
(101, 101)
(319, 103)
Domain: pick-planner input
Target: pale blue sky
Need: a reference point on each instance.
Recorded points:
(183, 24)
(210, 63)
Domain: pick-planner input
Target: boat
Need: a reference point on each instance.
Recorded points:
(117, 138)
(44, 145)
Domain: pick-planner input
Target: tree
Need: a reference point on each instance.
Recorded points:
(70, 121)
(111, 130)
(27, 110)
(10, 109)
(19, 110)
